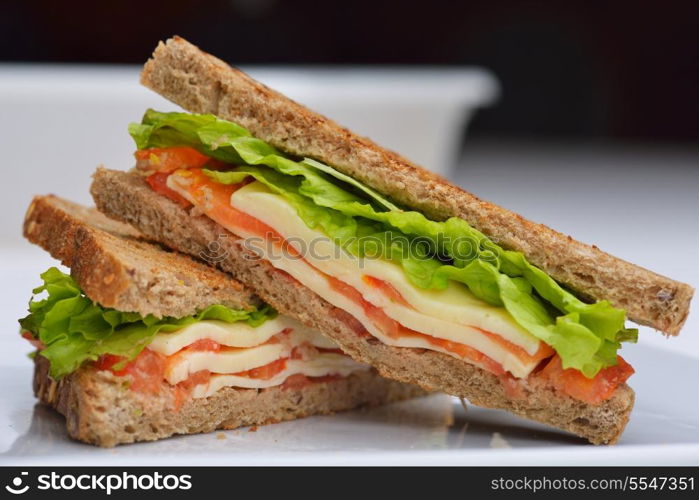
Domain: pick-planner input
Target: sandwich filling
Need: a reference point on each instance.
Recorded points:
(196, 355)
(408, 281)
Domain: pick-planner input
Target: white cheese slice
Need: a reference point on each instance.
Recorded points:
(238, 334)
(311, 278)
(446, 314)
(238, 359)
(322, 365)
(228, 361)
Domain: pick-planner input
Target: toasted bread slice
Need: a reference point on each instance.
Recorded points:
(128, 198)
(100, 409)
(201, 83)
(117, 268)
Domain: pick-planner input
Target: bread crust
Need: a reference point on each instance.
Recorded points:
(202, 83)
(100, 408)
(126, 197)
(116, 267)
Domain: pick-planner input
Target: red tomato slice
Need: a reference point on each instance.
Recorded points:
(214, 199)
(147, 372)
(204, 345)
(280, 337)
(544, 351)
(468, 352)
(158, 183)
(304, 351)
(386, 288)
(591, 390)
(33, 341)
(265, 372)
(170, 159)
(395, 330)
(107, 361)
(353, 323)
(196, 378)
(183, 390)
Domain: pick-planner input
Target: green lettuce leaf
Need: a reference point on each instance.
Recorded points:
(586, 336)
(74, 329)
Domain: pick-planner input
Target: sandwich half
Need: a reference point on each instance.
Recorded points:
(405, 271)
(140, 343)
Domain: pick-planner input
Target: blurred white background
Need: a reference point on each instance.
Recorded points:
(60, 122)
(639, 203)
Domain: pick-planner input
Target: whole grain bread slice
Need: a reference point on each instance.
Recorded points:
(100, 408)
(127, 197)
(116, 267)
(201, 83)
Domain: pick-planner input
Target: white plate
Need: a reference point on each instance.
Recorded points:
(664, 427)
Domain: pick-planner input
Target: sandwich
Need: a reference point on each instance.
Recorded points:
(139, 343)
(404, 271)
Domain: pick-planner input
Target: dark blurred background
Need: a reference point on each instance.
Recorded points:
(569, 69)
